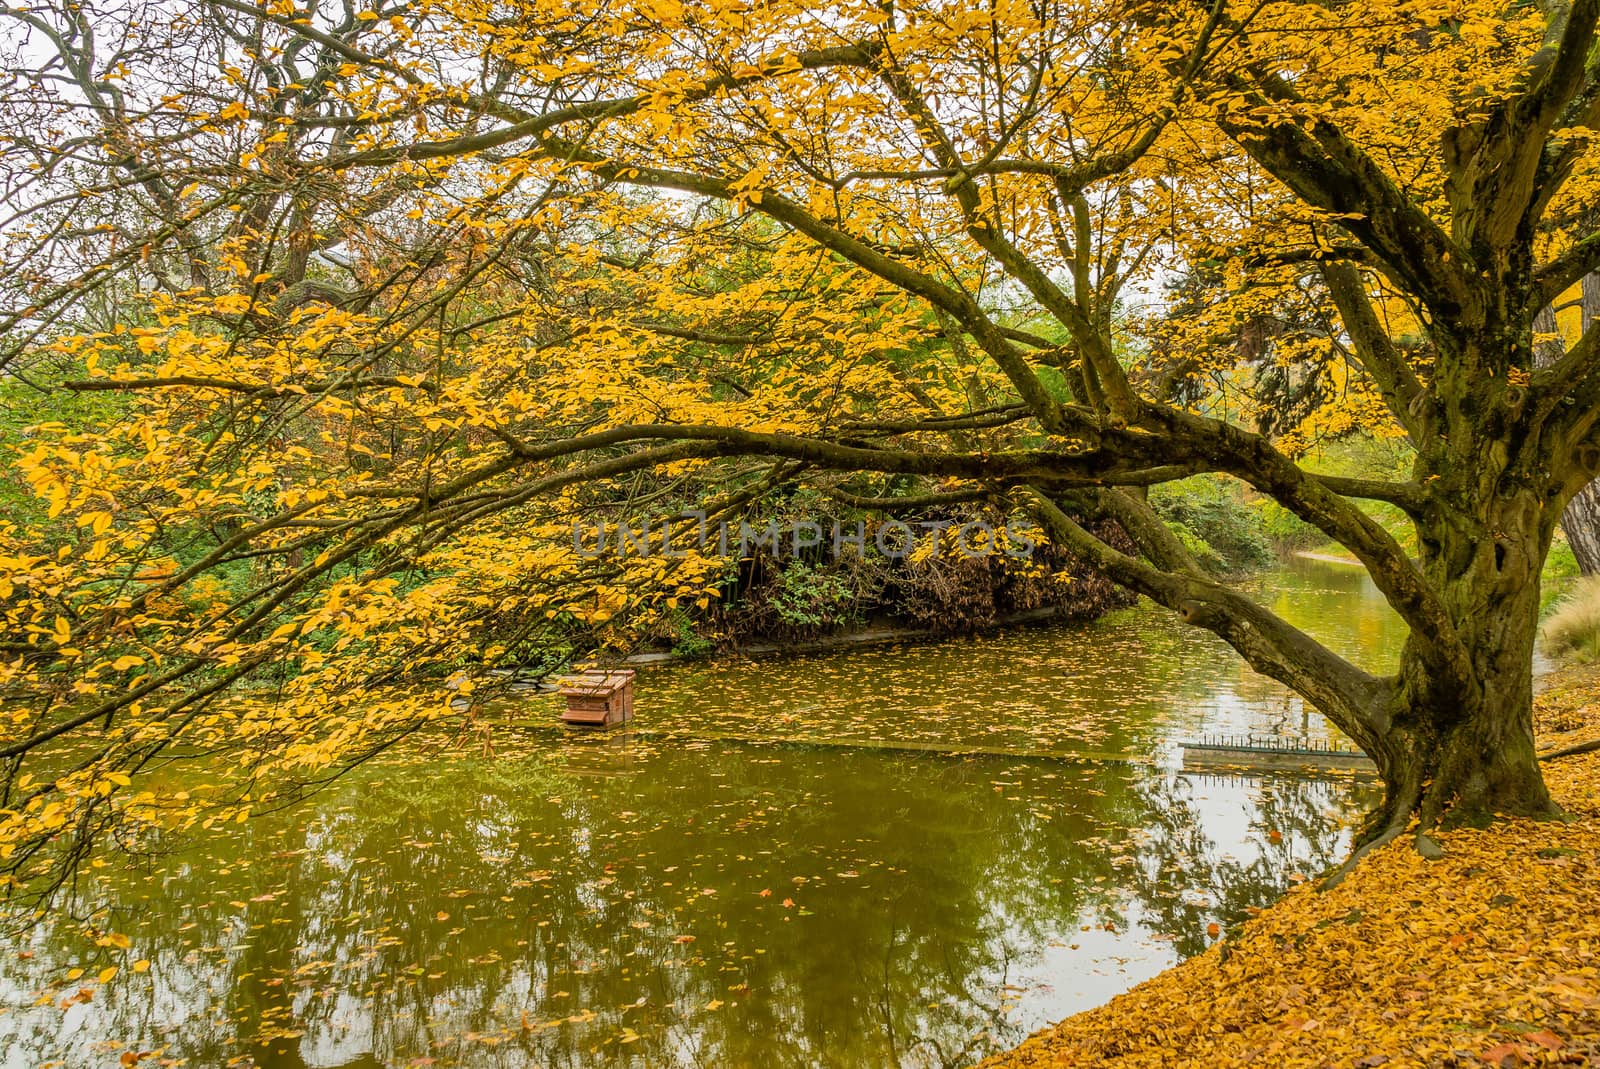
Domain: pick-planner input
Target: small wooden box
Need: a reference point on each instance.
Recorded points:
(598, 698)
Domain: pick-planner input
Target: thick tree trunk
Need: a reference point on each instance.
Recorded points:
(1452, 730)
(1465, 766)
(1463, 748)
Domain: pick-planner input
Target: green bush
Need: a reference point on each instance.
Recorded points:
(1283, 528)
(808, 598)
(1209, 515)
(1367, 457)
(688, 642)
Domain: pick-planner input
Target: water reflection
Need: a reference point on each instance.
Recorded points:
(1128, 683)
(660, 903)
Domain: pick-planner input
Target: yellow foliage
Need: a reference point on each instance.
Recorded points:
(369, 347)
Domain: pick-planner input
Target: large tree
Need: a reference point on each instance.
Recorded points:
(740, 246)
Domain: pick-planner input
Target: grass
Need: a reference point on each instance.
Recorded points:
(1572, 630)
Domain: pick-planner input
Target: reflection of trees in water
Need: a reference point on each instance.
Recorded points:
(554, 883)
(1120, 683)
(1186, 878)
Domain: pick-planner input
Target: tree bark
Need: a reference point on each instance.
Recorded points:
(1464, 747)
(1581, 520)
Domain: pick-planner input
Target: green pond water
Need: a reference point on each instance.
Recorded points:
(661, 899)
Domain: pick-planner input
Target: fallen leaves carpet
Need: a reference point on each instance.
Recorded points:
(1488, 956)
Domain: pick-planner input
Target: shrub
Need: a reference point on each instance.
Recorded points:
(1283, 528)
(1573, 628)
(955, 593)
(687, 642)
(810, 598)
(796, 599)
(1207, 513)
(787, 600)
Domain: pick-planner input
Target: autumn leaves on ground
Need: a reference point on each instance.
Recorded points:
(1489, 955)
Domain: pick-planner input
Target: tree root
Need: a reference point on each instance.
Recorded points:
(1395, 829)
(1385, 825)
(1571, 751)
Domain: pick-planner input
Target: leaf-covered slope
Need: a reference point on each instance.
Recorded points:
(1487, 956)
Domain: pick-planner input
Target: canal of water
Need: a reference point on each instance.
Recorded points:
(696, 900)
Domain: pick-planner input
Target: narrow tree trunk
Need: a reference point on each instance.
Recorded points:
(1581, 521)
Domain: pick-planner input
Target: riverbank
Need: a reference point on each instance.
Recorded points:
(865, 638)
(1327, 558)
(1488, 956)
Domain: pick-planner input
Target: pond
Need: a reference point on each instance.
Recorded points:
(703, 893)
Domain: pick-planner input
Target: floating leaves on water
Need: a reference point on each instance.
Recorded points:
(534, 897)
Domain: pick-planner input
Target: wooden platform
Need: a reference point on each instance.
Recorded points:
(1264, 755)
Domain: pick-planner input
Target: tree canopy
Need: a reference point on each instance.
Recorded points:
(358, 308)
